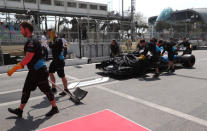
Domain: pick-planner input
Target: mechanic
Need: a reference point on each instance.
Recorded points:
(115, 50)
(37, 75)
(159, 43)
(44, 45)
(57, 64)
(65, 46)
(143, 49)
(155, 51)
(141, 52)
(169, 47)
(187, 45)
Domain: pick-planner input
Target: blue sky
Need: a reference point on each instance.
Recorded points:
(153, 7)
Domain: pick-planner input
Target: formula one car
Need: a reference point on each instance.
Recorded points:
(127, 64)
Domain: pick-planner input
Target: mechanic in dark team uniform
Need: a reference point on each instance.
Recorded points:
(143, 48)
(115, 49)
(187, 45)
(155, 51)
(37, 75)
(58, 64)
(169, 47)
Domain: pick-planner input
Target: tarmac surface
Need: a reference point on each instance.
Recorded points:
(174, 102)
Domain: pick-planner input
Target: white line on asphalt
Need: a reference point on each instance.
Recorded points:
(156, 106)
(71, 77)
(18, 101)
(88, 82)
(17, 90)
(18, 72)
(12, 91)
(203, 59)
(40, 97)
(88, 64)
(75, 80)
(129, 119)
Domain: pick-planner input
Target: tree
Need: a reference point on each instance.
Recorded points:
(140, 23)
(140, 19)
(62, 23)
(74, 29)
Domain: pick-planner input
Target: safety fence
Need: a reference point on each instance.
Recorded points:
(11, 38)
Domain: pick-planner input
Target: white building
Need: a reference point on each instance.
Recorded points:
(55, 7)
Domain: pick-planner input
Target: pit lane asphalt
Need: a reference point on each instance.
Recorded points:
(172, 102)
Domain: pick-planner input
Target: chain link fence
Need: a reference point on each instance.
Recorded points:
(197, 39)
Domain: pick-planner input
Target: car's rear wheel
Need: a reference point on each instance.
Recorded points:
(190, 63)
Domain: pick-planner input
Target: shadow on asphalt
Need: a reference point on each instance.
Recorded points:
(149, 78)
(78, 66)
(192, 77)
(144, 77)
(31, 122)
(28, 124)
(45, 103)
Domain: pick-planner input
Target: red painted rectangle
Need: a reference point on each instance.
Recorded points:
(105, 120)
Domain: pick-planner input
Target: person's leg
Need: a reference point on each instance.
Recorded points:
(157, 73)
(169, 66)
(51, 74)
(52, 78)
(46, 53)
(44, 86)
(173, 67)
(61, 74)
(65, 82)
(29, 86)
(65, 52)
(157, 70)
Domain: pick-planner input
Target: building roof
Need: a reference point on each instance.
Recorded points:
(202, 12)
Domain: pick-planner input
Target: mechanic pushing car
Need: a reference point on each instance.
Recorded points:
(115, 49)
(169, 47)
(143, 48)
(141, 51)
(155, 51)
(187, 45)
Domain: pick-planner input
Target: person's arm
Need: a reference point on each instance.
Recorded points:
(20, 65)
(145, 51)
(180, 44)
(137, 48)
(28, 58)
(164, 49)
(30, 51)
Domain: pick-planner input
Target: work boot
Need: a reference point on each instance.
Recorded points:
(63, 93)
(173, 70)
(16, 111)
(156, 75)
(52, 112)
(54, 90)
